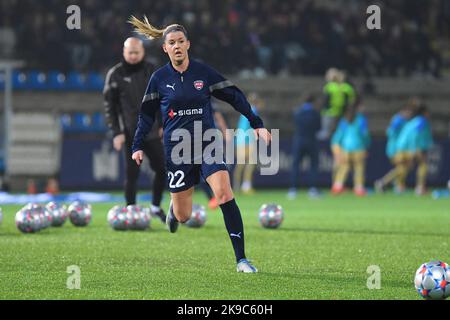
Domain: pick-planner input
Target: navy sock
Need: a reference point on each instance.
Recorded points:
(235, 227)
(172, 214)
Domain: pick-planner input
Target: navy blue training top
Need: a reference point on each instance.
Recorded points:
(186, 97)
(307, 123)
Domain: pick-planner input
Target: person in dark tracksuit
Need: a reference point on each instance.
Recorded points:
(307, 125)
(125, 86)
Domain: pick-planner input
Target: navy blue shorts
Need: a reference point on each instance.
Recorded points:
(182, 177)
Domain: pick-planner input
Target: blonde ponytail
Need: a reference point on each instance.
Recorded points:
(145, 28)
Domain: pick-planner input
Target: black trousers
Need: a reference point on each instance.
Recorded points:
(301, 149)
(154, 151)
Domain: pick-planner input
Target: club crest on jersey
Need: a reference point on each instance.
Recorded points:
(198, 84)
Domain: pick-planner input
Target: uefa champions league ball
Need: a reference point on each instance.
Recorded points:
(45, 215)
(112, 214)
(129, 218)
(27, 221)
(80, 213)
(42, 214)
(137, 218)
(271, 216)
(117, 218)
(432, 280)
(58, 213)
(133, 215)
(198, 216)
(145, 219)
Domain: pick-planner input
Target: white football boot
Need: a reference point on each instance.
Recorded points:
(245, 266)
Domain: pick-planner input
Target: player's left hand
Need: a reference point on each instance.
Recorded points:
(264, 134)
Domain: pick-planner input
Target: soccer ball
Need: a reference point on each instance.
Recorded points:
(144, 219)
(432, 280)
(80, 213)
(198, 216)
(271, 216)
(41, 213)
(58, 213)
(27, 221)
(133, 215)
(117, 218)
(46, 216)
(137, 218)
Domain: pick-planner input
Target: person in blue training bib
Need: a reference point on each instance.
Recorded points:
(353, 137)
(414, 142)
(396, 125)
(182, 91)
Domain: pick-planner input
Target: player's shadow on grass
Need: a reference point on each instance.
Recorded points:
(365, 231)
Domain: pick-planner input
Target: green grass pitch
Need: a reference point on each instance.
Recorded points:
(321, 251)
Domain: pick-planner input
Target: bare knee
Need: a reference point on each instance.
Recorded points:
(224, 195)
(182, 214)
(182, 210)
(182, 205)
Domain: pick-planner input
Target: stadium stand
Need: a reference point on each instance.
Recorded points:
(288, 37)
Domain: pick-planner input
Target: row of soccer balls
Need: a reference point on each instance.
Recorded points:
(35, 217)
(136, 218)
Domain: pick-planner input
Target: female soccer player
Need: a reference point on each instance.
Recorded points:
(396, 125)
(352, 136)
(413, 144)
(182, 91)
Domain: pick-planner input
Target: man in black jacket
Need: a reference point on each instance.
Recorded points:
(125, 87)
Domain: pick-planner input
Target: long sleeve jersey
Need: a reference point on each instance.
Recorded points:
(184, 98)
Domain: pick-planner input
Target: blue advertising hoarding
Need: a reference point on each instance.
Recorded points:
(90, 162)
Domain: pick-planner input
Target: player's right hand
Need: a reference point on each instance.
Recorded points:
(264, 134)
(138, 156)
(118, 141)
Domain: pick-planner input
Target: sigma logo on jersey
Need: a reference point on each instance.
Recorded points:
(198, 84)
(187, 112)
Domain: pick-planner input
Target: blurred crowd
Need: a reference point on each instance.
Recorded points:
(248, 37)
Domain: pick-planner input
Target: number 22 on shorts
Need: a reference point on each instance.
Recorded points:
(176, 179)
